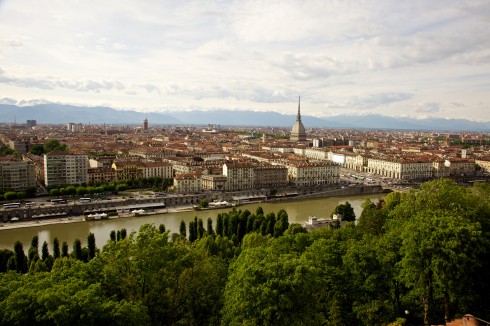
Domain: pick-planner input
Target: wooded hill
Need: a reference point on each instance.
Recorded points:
(415, 258)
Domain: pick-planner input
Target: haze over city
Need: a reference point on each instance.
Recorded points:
(414, 59)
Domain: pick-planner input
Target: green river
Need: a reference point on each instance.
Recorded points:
(298, 211)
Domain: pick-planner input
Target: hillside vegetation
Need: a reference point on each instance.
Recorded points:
(415, 258)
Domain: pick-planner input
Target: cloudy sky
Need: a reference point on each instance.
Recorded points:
(398, 58)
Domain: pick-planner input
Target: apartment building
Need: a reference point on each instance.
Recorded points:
(402, 168)
(19, 145)
(240, 175)
(355, 162)
(126, 170)
(316, 153)
(150, 153)
(16, 174)
(61, 167)
(38, 162)
(303, 174)
(157, 169)
(213, 182)
(460, 166)
(270, 176)
(102, 162)
(100, 175)
(439, 169)
(187, 182)
(484, 163)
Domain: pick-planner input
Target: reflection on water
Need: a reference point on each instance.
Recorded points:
(298, 211)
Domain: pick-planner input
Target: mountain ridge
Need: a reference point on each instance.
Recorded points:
(47, 113)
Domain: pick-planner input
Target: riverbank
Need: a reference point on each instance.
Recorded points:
(298, 210)
(77, 219)
(344, 192)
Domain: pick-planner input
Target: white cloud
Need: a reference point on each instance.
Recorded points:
(383, 56)
(428, 107)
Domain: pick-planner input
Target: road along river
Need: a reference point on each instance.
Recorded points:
(69, 230)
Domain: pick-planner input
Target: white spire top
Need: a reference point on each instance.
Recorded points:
(298, 116)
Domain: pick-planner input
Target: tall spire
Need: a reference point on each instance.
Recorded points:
(298, 131)
(298, 116)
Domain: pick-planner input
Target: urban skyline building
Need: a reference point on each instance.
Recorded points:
(298, 132)
(64, 168)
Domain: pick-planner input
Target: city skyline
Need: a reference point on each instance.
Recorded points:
(413, 59)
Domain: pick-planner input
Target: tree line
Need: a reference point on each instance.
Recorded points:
(420, 257)
(157, 184)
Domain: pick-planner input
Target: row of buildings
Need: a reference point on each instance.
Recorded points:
(189, 175)
(270, 168)
(229, 159)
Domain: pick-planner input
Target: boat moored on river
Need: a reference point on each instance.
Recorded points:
(96, 217)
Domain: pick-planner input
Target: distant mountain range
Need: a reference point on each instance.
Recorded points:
(55, 113)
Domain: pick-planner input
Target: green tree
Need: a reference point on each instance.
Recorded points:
(122, 187)
(20, 258)
(220, 225)
(162, 228)
(9, 195)
(35, 242)
(372, 219)
(203, 203)
(182, 230)
(294, 229)
(209, 229)
(267, 286)
(56, 248)
(4, 150)
(12, 264)
(112, 236)
(30, 191)
(37, 149)
(54, 144)
(259, 211)
(77, 250)
(45, 251)
(54, 192)
(435, 246)
(346, 211)
(192, 231)
(370, 281)
(200, 228)
(71, 190)
(64, 249)
(5, 255)
(191, 287)
(92, 248)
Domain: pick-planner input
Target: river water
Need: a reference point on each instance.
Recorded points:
(298, 211)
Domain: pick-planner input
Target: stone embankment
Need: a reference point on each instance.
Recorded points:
(49, 210)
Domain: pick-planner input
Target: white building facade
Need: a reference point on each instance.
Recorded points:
(64, 168)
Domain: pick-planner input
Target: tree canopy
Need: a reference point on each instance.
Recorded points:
(426, 251)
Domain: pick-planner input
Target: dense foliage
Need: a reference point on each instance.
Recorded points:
(156, 183)
(48, 146)
(5, 150)
(416, 257)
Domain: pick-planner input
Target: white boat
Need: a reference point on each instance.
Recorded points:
(100, 216)
(96, 216)
(139, 212)
(220, 203)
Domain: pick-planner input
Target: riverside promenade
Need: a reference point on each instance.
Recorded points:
(74, 211)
